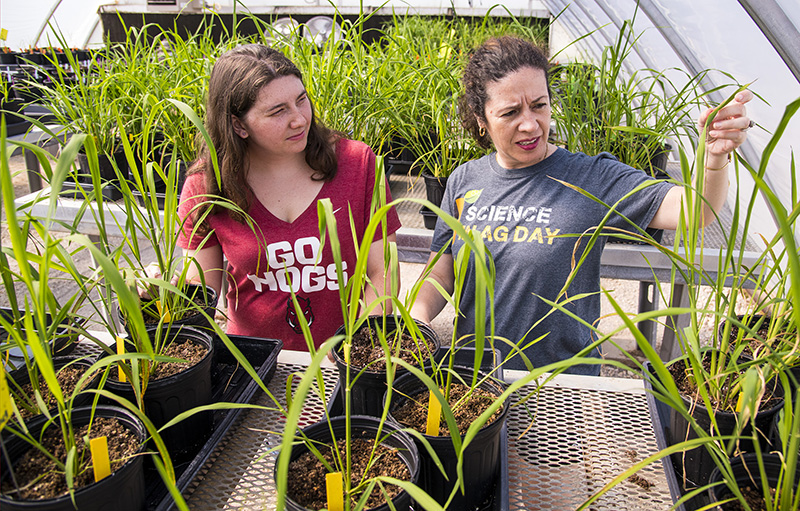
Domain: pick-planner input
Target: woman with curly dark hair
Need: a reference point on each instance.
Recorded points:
(524, 202)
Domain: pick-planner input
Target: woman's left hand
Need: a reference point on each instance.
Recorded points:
(729, 129)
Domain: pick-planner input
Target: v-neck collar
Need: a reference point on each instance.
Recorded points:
(311, 208)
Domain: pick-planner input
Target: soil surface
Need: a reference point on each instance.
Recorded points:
(414, 412)
(754, 498)
(754, 345)
(152, 315)
(68, 381)
(190, 351)
(688, 389)
(366, 349)
(306, 484)
(39, 478)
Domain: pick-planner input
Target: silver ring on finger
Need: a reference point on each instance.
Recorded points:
(749, 125)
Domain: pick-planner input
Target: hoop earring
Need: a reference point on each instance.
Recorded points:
(481, 131)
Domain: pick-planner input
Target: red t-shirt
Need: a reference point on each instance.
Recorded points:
(258, 297)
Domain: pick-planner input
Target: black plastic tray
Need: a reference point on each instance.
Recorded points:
(464, 356)
(230, 383)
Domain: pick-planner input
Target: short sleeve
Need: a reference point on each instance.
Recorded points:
(191, 197)
(443, 233)
(392, 218)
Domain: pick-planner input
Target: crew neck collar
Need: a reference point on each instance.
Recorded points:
(538, 167)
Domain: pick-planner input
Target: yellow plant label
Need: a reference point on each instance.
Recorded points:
(434, 415)
(3, 34)
(163, 312)
(6, 407)
(740, 402)
(121, 351)
(100, 463)
(335, 491)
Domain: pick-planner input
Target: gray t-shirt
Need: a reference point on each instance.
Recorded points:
(520, 213)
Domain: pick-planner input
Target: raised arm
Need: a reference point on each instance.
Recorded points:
(726, 134)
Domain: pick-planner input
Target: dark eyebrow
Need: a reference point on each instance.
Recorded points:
(281, 105)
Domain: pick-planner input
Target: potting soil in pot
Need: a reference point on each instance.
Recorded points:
(151, 314)
(191, 352)
(306, 481)
(694, 466)
(414, 412)
(38, 478)
(175, 387)
(67, 379)
(754, 498)
(688, 389)
(366, 350)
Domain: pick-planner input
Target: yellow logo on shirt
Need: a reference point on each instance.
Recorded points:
(472, 196)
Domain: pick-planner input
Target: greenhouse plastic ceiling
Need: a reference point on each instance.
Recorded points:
(756, 41)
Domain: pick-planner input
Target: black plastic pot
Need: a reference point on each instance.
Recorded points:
(434, 188)
(697, 464)
(35, 57)
(750, 320)
(108, 176)
(428, 217)
(166, 398)
(12, 110)
(12, 106)
(62, 343)
(747, 473)
(775, 435)
(198, 320)
(123, 490)
(795, 372)
(398, 157)
(8, 58)
(363, 427)
(482, 457)
(368, 386)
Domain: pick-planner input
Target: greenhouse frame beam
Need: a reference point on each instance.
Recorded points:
(675, 41)
(619, 23)
(46, 21)
(778, 29)
(572, 22)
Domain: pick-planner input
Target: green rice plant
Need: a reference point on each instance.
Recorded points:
(80, 99)
(36, 276)
(187, 60)
(597, 108)
(427, 84)
(723, 381)
(109, 281)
